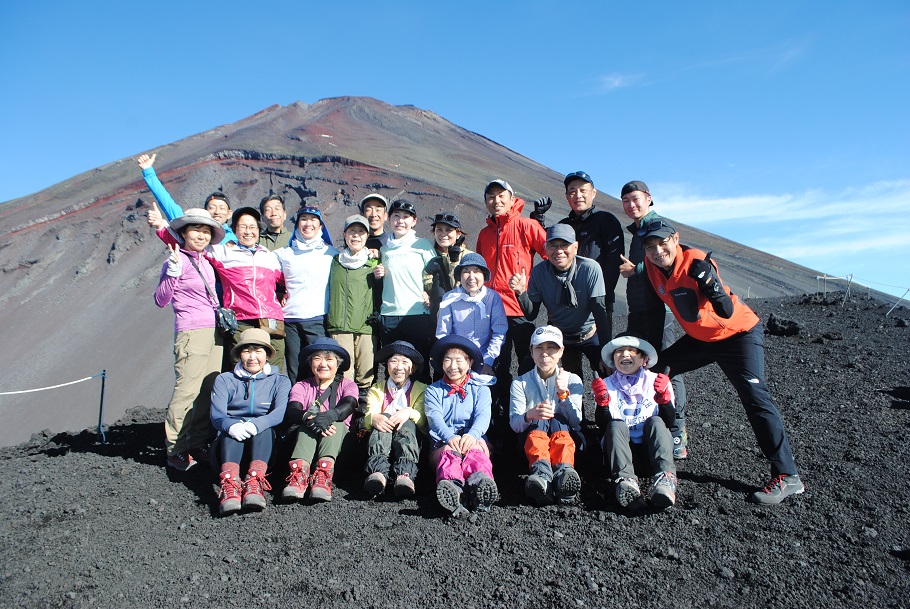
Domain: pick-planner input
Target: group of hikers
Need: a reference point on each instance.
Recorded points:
(402, 347)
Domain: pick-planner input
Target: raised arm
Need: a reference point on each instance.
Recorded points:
(168, 206)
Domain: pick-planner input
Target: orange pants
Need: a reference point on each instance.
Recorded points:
(558, 448)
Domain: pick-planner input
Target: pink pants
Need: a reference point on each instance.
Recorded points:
(452, 466)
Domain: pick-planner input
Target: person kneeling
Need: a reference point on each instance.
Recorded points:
(458, 409)
(394, 415)
(247, 403)
(633, 407)
(546, 406)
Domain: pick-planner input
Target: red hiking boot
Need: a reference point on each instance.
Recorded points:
(230, 489)
(297, 480)
(321, 481)
(254, 485)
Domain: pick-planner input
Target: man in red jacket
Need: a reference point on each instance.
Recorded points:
(507, 244)
(719, 328)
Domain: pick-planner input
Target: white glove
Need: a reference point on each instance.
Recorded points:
(251, 428)
(175, 264)
(239, 432)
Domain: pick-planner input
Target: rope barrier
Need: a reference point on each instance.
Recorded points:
(102, 374)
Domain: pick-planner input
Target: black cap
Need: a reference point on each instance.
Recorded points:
(578, 175)
(447, 218)
(656, 228)
(633, 186)
(403, 206)
(245, 211)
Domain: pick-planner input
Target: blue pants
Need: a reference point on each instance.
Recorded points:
(742, 360)
(259, 447)
(297, 335)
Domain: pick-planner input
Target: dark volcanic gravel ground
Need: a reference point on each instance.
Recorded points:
(85, 524)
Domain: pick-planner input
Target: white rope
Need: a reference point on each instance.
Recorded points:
(88, 378)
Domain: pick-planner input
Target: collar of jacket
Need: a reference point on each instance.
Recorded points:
(583, 215)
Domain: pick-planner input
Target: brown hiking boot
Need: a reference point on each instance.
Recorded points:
(404, 486)
(321, 481)
(297, 480)
(230, 489)
(254, 485)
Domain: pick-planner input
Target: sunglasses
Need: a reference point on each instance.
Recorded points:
(580, 175)
(450, 219)
(652, 226)
(403, 206)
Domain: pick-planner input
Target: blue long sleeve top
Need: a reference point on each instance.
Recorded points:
(169, 207)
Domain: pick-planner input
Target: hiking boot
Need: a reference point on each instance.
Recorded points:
(181, 461)
(779, 488)
(566, 485)
(374, 484)
(297, 480)
(627, 491)
(448, 494)
(538, 489)
(680, 445)
(404, 486)
(254, 485)
(201, 455)
(321, 481)
(482, 491)
(663, 494)
(230, 489)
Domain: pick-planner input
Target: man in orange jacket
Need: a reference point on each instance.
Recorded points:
(719, 328)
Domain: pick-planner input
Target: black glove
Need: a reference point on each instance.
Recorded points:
(321, 421)
(455, 250)
(541, 206)
(374, 321)
(702, 271)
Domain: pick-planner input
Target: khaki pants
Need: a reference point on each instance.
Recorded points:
(360, 346)
(197, 361)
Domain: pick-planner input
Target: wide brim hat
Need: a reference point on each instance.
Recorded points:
(461, 342)
(473, 259)
(606, 354)
(327, 344)
(253, 336)
(401, 347)
(197, 215)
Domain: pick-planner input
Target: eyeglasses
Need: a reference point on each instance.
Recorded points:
(653, 226)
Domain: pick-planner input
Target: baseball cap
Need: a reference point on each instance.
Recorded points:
(377, 196)
(404, 206)
(356, 219)
(633, 186)
(578, 175)
(502, 183)
(546, 334)
(561, 231)
(656, 228)
(447, 218)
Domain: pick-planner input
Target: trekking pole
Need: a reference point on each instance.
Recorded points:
(101, 409)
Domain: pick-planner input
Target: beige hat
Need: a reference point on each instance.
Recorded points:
(641, 344)
(253, 336)
(197, 215)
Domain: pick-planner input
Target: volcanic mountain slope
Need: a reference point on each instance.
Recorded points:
(79, 264)
(85, 524)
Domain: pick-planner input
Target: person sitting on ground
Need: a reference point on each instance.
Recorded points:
(275, 234)
(351, 285)
(546, 408)
(320, 407)
(396, 422)
(439, 275)
(474, 311)
(216, 203)
(186, 283)
(458, 414)
(719, 328)
(305, 264)
(405, 311)
(634, 406)
(247, 403)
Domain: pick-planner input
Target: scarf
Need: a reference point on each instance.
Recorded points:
(566, 278)
(353, 261)
(404, 241)
(459, 387)
(307, 245)
(459, 293)
(396, 398)
(631, 387)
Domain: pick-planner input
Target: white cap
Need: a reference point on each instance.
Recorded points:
(546, 334)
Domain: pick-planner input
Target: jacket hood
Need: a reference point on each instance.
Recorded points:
(507, 217)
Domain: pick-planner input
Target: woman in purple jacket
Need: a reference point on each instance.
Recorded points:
(197, 345)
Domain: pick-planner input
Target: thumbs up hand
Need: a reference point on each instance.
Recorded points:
(627, 268)
(145, 161)
(518, 282)
(155, 219)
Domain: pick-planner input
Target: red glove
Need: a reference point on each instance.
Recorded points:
(662, 389)
(601, 395)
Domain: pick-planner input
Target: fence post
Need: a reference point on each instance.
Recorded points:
(101, 408)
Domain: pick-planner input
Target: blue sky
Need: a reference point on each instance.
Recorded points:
(781, 125)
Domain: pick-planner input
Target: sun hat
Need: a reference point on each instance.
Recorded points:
(606, 354)
(459, 342)
(196, 215)
(401, 347)
(502, 183)
(253, 337)
(547, 334)
(245, 211)
(473, 259)
(561, 231)
(577, 175)
(323, 343)
(374, 195)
